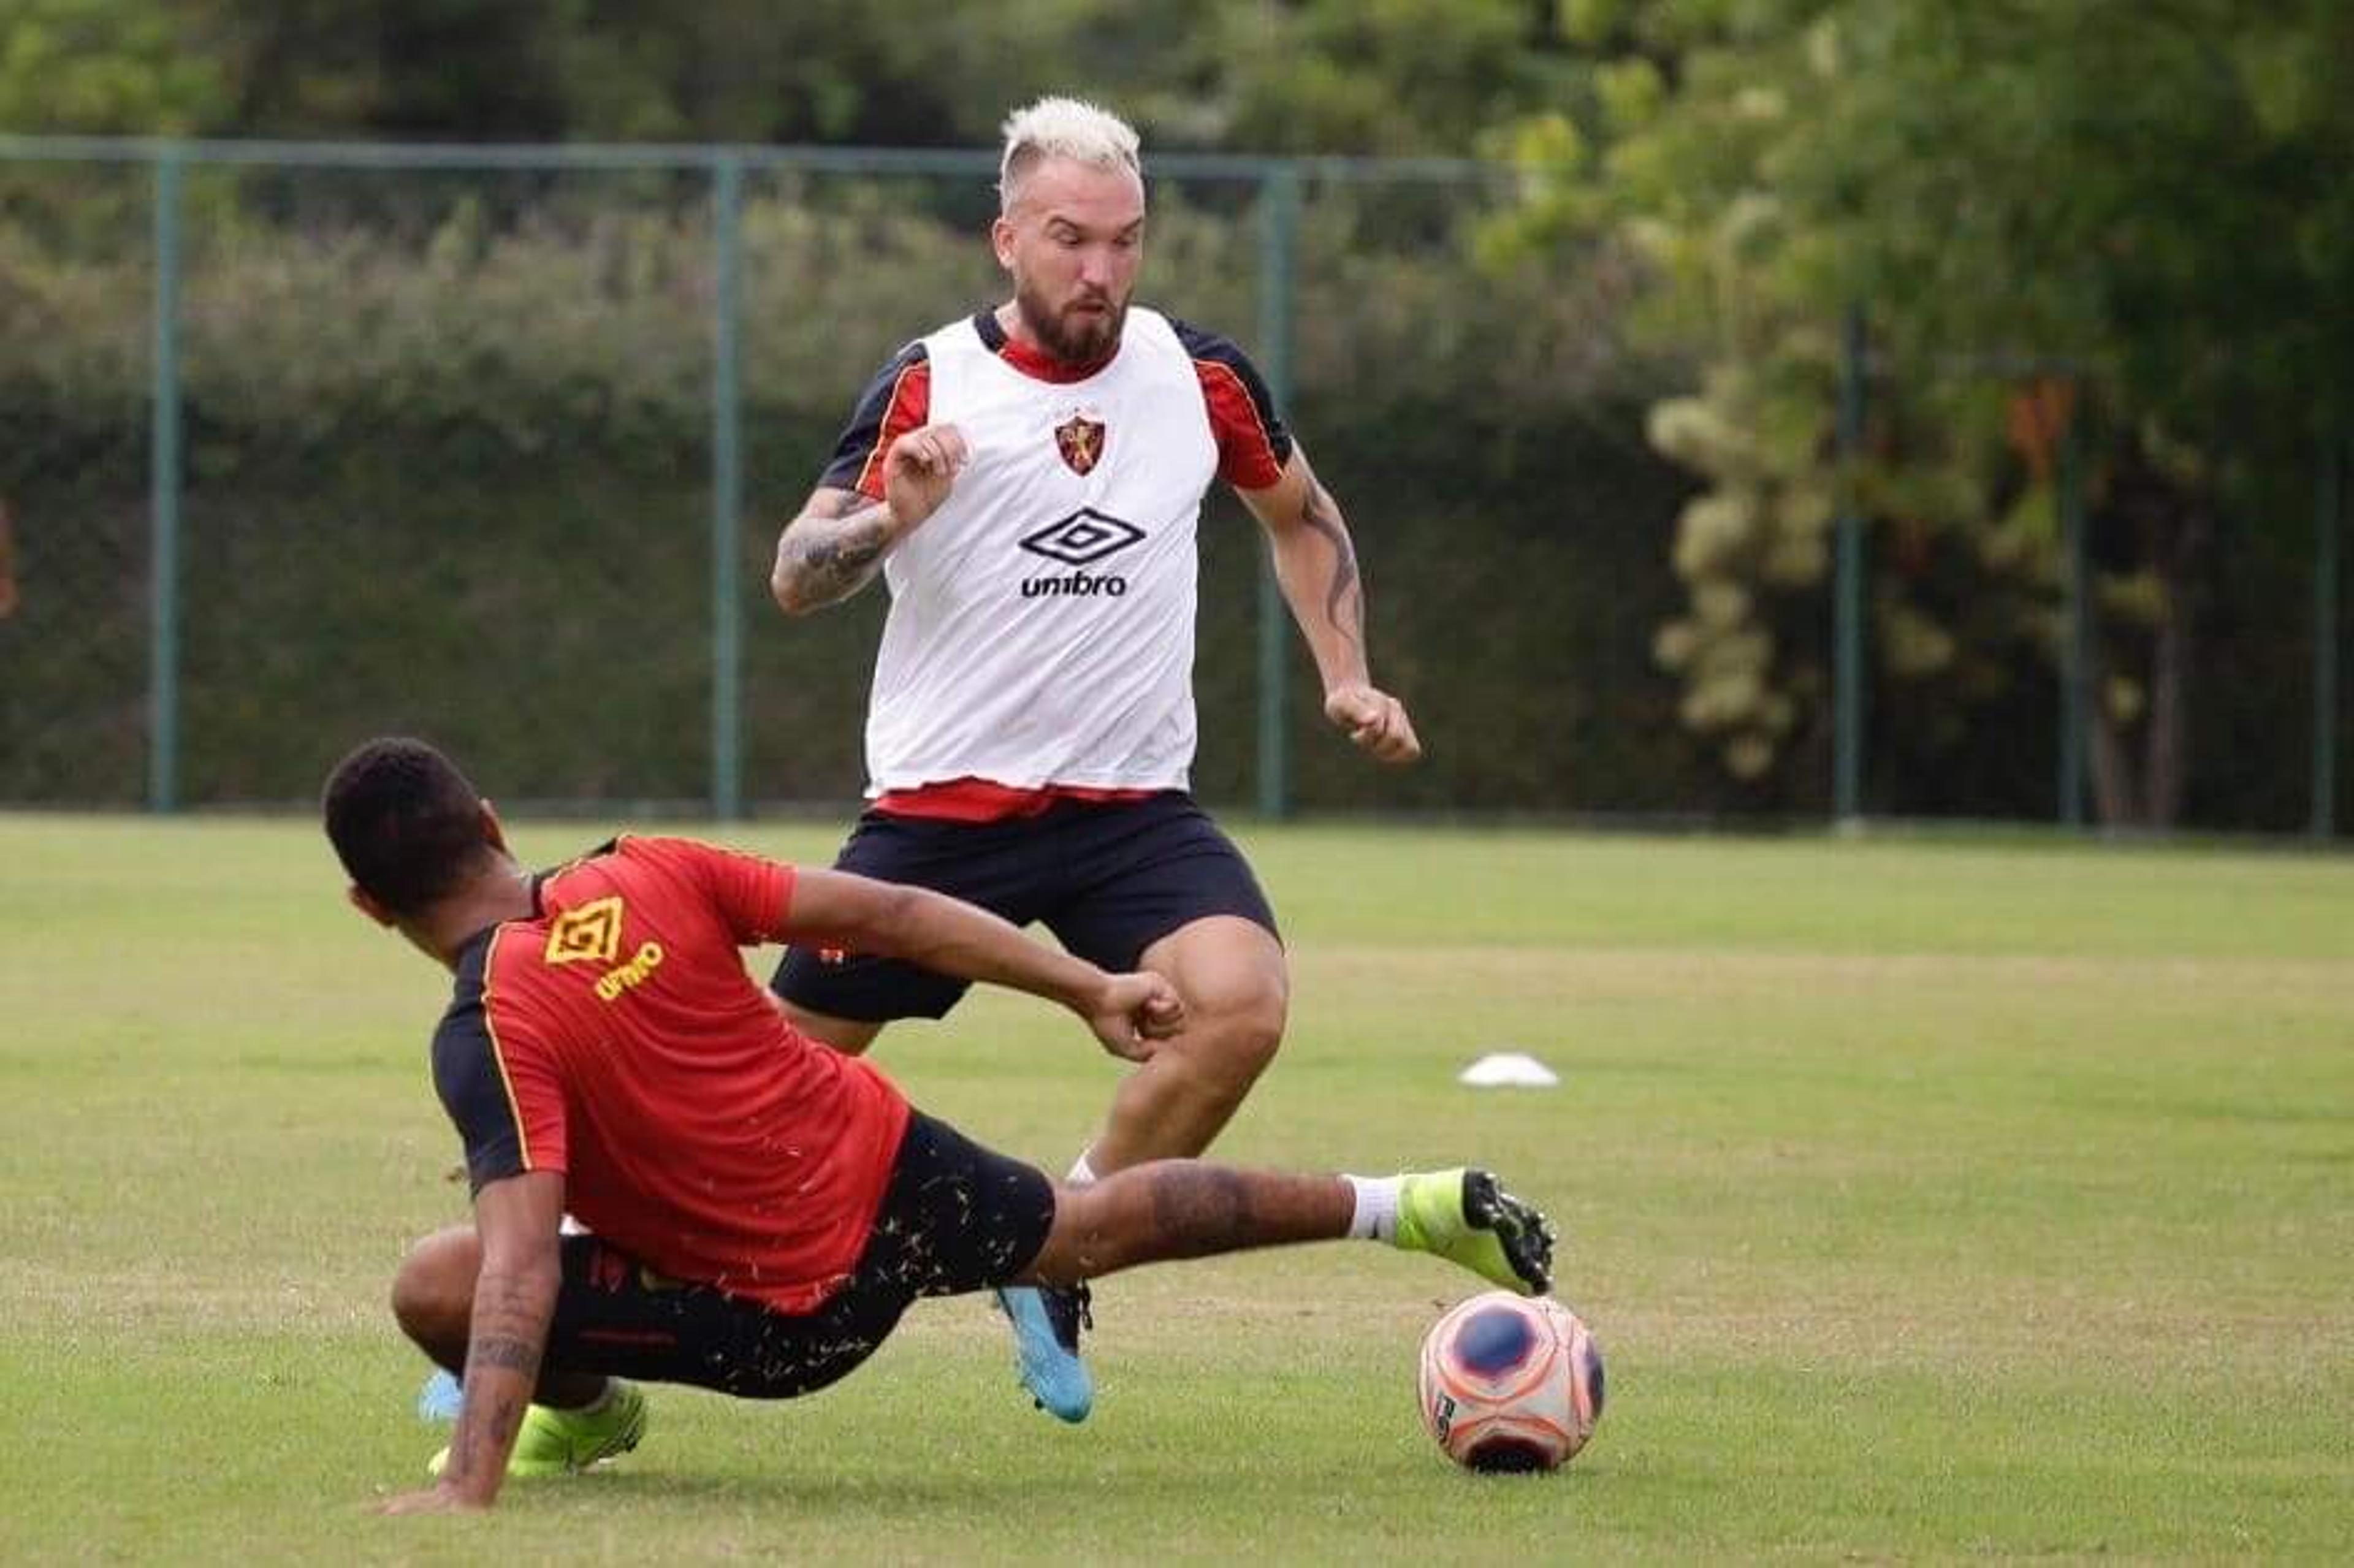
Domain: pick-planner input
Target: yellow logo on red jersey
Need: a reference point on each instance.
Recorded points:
(613, 982)
(590, 934)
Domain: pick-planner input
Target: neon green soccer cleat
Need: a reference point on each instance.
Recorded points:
(1467, 1218)
(559, 1442)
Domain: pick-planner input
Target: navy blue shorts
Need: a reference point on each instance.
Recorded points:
(1109, 879)
(956, 1217)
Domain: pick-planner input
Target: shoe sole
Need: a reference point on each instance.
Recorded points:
(1524, 1234)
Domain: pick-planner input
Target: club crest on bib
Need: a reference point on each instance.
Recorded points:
(1081, 442)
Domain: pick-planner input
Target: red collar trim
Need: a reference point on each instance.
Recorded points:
(1032, 362)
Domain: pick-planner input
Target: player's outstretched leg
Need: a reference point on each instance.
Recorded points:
(1047, 1324)
(1467, 1218)
(1191, 1208)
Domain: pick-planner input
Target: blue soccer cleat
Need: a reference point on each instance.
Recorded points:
(1047, 1324)
(439, 1398)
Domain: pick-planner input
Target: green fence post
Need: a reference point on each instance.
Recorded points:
(1846, 728)
(164, 498)
(1278, 227)
(726, 488)
(2327, 500)
(2076, 657)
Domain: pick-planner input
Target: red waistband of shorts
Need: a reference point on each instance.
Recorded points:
(986, 801)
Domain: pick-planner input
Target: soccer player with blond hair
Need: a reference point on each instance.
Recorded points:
(1028, 480)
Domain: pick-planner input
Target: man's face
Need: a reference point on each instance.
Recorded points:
(1072, 240)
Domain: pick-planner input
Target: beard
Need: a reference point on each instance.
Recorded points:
(1072, 339)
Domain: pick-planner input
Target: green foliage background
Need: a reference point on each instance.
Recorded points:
(448, 429)
(447, 469)
(2123, 226)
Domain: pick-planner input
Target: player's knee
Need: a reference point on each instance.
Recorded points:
(433, 1293)
(1240, 1040)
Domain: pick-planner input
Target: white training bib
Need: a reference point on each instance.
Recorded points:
(1041, 629)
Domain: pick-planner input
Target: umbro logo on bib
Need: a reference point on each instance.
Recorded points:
(1081, 539)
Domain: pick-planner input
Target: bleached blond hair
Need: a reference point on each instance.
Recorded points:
(1063, 128)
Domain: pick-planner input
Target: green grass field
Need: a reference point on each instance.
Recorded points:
(1930, 1201)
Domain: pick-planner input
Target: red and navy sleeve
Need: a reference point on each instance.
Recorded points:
(478, 1087)
(899, 399)
(1253, 444)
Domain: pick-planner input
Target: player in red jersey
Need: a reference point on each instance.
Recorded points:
(759, 1209)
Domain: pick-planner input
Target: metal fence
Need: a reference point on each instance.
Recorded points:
(303, 443)
(2240, 594)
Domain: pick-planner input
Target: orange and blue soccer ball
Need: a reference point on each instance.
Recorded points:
(1511, 1383)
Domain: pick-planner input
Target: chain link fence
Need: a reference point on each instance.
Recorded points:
(301, 444)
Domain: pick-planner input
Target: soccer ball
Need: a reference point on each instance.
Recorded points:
(1511, 1383)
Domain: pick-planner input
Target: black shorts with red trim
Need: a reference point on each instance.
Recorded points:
(956, 1217)
(1109, 878)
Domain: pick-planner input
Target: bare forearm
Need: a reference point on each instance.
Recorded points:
(831, 551)
(956, 939)
(512, 1309)
(1316, 566)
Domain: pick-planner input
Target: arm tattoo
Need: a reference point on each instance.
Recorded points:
(1319, 513)
(503, 1350)
(837, 551)
(482, 1433)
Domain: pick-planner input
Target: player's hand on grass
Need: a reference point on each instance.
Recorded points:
(435, 1499)
(1134, 1013)
(920, 470)
(1376, 720)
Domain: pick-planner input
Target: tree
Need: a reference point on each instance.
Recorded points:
(2132, 217)
(97, 67)
(1315, 76)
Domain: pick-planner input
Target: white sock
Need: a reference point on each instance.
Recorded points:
(1377, 1206)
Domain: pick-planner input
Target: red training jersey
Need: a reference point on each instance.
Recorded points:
(615, 1037)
